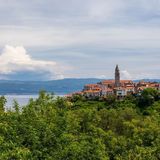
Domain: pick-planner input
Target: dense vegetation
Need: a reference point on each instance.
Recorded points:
(79, 129)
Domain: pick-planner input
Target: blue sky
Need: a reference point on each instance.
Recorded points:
(54, 39)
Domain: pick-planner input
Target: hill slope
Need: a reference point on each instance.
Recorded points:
(63, 86)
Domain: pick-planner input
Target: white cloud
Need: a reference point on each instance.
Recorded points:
(126, 75)
(147, 76)
(106, 37)
(104, 9)
(84, 31)
(101, 77)
(16, 59)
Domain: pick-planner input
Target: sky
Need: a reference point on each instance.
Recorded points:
(56, 39)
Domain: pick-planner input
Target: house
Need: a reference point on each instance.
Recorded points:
(107, 92)
(92, 93)
(120, 91)
(118, 87)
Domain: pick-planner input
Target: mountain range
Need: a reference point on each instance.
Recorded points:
(59, 87)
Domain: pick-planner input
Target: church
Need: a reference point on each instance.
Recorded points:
(117, 87)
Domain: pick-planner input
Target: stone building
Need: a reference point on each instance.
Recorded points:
(117, 87)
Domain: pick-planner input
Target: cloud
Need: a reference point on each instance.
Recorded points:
(124, 24)
(16, 60)
(126, 75)
(104, 9)
(90, 35)
(106, 37)
(102, 77)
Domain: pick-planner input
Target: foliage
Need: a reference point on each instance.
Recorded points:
(79, 129)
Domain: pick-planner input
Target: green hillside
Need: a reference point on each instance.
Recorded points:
(78, 129)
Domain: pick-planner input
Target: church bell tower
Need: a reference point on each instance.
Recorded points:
(117, 76)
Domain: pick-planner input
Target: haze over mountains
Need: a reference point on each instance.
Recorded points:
(59, 87)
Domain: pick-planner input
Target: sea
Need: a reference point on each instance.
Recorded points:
(21, 99)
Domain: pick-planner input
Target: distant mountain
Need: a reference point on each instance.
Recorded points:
(63, 86)
(148, 80)
(60, 87)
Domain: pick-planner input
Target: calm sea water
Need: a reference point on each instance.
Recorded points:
(21, 99)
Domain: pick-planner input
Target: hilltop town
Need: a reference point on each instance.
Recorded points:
(117, 87)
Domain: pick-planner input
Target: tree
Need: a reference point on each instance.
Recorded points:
(147, 97)
(2, 103)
